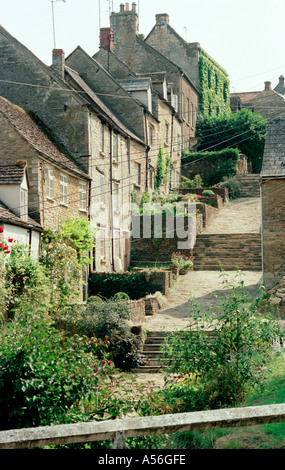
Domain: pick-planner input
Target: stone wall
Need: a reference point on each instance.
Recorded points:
(273, 230)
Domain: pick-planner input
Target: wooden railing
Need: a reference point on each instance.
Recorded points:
(120, 429)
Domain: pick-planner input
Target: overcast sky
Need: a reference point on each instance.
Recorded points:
(246, 37)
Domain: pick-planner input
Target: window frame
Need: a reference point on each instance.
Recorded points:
(83, 196)
(63, 192)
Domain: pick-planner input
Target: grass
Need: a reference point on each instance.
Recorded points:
(266, 436)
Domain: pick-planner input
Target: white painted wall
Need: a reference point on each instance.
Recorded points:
(21, 235)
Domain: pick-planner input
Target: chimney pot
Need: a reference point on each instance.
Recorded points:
(134, 7)
(127, 7)
(122, 7)
(267, 85)
(281, 79)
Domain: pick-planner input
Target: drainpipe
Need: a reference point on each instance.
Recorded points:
(262, 246)
(111, 190)
(146, 153)
(171, 151)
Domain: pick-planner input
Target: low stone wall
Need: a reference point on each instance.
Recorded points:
(222, 192)
(137, 311)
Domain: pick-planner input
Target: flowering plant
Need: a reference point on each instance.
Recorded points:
(182, 261)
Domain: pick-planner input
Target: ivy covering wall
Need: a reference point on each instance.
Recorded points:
(214, 87)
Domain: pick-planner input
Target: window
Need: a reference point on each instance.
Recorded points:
(102, 137)
(178, 143)
(102, 242)
(115, 196)
(82, 195)
(102, 188)
(196, 115)
(63, 188)
(182, 105)
(24, 204)
(151, 177)
(49, 182)
(166, 133)
(192, 115)
(187, 110)
(151, 135)
(115, 147)
(117, 248)
(137, 173)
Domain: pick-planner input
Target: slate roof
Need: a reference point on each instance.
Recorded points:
(274, 152)
(135, 84)
(6, 215)
(12, 173)
(95, 100)
(37, 138)
(245, 97)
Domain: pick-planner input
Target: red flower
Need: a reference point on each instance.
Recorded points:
(10, 240)
(5, 248)
(103, 362)
(1, 230)
(109, 362)
(1, 244)
(7, 252)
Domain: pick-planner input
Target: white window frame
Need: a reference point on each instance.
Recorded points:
(102, 137)
(115, 196)
(115, 147)
(117, 243)
(49, 182)
(102, 188)
(83, 196)
(166, 132)
(102, 242)
(137, 173)
(187, 110)
(63, 189)
(24, 204)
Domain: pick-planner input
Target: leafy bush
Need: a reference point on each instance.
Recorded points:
(43, 373)
(234, 359)
(94, 298)
(25, 280)
(107, 285)
(195, 182)
(244, 130)
(121, 296)
(109, 322)
(234, 186)
(208, 192)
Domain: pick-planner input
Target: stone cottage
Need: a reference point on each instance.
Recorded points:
(206, 74)
(58, 188)
(268, 103)
(138, 55)
(15, 222)
(273, 203)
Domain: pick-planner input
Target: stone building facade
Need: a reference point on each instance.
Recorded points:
(138, 55)
(58, 189)
(268, 103)
(273, 203)
(206, 74)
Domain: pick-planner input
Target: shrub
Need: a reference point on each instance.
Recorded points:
(107, 285)
(196, 182)
(208, 192)
(121, 296)
(234, 359)
(234, 186)
(43, 373)
(109, 322)
(94, 298)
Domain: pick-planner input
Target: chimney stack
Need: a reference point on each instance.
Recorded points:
(106, 39)
(58, 62)
(162, 18)
(267, 86)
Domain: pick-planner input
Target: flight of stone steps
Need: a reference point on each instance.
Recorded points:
(153, 352)
(250, 185)
(234, 251)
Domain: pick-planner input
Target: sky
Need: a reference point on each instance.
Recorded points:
(246, 37)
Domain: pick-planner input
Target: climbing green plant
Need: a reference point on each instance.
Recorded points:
(162, 169)
(214, 87)
(81, 234)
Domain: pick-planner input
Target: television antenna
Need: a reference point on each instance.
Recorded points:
(53, 23)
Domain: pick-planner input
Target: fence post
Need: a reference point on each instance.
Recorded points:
(119, 440)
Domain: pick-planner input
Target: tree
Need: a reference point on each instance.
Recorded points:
(243, 130)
